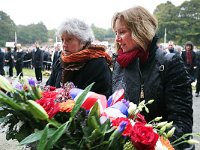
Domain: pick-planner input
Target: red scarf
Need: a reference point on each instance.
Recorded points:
(189, 57)
(126, 58)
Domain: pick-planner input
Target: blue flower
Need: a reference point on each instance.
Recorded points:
(19, 86)
(122, 126)
(31, 82)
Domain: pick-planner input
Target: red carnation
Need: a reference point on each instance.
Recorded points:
(51, 94)
(116, 122)
(140, 118)
(143, 137)
(49, 105)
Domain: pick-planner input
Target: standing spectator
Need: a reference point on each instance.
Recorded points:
(2, 57)
(170, 47)
(9, 61)
(37, 61)
(189, 58)
(27, 58)
(146, 72)
(49, 61)
(198, 74)
(57, 53)
(179, 49)
(18, 59)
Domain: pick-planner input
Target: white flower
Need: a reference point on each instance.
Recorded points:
(132, 108)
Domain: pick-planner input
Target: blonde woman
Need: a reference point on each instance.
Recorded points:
(147, 72)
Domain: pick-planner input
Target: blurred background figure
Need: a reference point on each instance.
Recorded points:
(171, 47)
(37, 61)
(189, 58)
(2, 57)
(179, 49)
(57, 53)
(18, 59)
(197, 73)
(9, 61)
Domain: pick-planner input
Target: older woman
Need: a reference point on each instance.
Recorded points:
(81, 62)
(146, 72)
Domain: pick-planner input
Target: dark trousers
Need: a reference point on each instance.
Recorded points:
(38, 74)
(19, 70)
(10, 71)
(2, 72)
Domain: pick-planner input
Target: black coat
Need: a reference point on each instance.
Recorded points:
(37, 58)
(2, 62)
(56, 56)
(166, 81)
(9, 58)
(19, 58)
(95, 70)
(190, 67)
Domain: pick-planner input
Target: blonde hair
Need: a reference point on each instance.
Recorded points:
(141, 22)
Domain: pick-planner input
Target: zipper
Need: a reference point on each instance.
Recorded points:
(141, 87)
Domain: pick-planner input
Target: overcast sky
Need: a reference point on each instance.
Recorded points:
(53, 12)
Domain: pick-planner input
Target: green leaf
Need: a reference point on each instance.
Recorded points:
(94, 122)
(95, 111)
(43, 139)
(80, 100)
(5, 84)
(37, 110)
(36, 136)
(55, 137)
(105, 126)
(9, 101)
(114, 138)
(95, 134)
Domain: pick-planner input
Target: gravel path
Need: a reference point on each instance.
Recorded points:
(13, 145)
(196, 114)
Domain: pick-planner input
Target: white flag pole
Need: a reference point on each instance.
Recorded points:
(165, 37)
(15, 37)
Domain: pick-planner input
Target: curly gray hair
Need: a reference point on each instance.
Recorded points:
(77, 28)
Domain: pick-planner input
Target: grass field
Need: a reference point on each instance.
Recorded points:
(31, 72)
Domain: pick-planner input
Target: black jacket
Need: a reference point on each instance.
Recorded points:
(8, 57)
(166, 81)
(19, 58)
(190, 67)
(2, 58)
(95, 70)
(37, 58)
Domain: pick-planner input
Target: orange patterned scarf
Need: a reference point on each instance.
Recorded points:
(76, 61)
(84, 55)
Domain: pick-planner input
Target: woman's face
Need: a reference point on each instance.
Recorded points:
(123, 36)
(70, 44)
(188, 47)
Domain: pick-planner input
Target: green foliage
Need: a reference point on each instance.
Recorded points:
(31, 33)
(16, 114)
(182, 22)
(7, 29)
(102, 34)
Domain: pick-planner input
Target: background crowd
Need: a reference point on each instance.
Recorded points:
(20, 57)
(191, 57)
